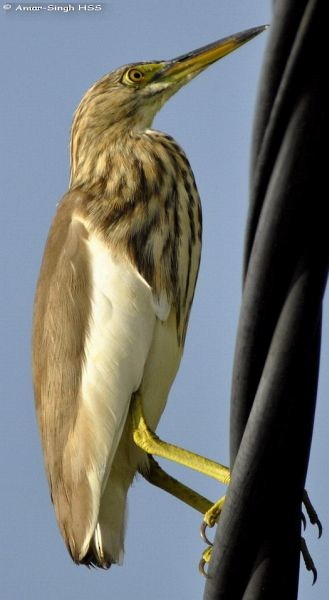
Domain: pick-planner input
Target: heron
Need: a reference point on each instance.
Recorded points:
(112, 305)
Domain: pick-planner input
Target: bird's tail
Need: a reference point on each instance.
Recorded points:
(107, 543)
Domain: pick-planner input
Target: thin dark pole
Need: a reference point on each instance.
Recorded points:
(257, 545)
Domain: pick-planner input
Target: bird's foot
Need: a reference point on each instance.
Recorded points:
(210, 519)
(308, 560)
(311, 513)
(206, 555)
(314, 520)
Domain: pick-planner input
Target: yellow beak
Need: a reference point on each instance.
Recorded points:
(190, 64)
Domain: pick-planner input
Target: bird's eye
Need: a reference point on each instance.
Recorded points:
(134, 76)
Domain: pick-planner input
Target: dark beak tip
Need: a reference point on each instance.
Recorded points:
(248, 34)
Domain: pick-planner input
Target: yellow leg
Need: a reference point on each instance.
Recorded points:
(163, 480)
(150, 443)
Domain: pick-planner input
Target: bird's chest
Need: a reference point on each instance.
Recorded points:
(152, 214)
(166, 246)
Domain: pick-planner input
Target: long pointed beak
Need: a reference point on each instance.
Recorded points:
(184, 67)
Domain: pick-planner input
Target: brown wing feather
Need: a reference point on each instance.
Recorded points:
(62, 307)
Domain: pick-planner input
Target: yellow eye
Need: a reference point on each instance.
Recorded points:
(134, 76)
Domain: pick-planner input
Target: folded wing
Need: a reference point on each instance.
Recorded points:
(93, 327)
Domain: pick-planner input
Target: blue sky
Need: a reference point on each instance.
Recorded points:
(50, 60)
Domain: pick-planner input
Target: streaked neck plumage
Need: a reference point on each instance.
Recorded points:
(102, 133)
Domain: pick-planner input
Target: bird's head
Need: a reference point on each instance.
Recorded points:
(127, 99)
(130, 96)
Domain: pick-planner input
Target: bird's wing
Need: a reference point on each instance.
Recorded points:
(93, 326)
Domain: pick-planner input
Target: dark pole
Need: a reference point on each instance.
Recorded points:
(257, 545)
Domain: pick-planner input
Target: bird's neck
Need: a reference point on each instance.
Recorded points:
(92, 158)
(112, 166)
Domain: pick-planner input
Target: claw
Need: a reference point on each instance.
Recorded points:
(203, 528)
(311, 513)
(309, 564)
(210, 519)
(206, 555)
(202, 570)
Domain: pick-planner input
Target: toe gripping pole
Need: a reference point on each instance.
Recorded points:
(257, 544)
